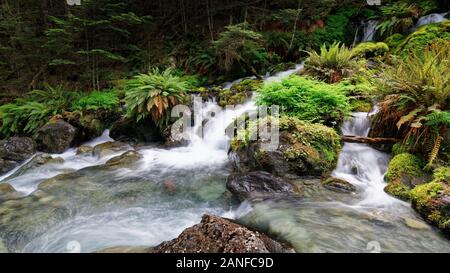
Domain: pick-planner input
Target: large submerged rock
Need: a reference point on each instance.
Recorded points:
(304, 149)
(55, 137)
(219, 235)
(257, 184)
(14, 151)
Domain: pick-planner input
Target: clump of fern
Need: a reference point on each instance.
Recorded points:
(154, 94)
(26, 115)
(333, 63)
(420, 95)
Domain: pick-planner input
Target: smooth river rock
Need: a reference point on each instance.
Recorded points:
(55, 137)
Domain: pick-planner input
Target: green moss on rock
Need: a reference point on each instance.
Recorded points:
(404, 164)
(238, 93)
(304, 149)
(370, 49)
(425, 36)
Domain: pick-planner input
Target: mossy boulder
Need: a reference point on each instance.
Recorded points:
(238, 93)
(423, 37)
(304, 149)
(432, 201)
(405, 171)
(370, 50)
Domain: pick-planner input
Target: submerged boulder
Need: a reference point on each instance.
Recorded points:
(109, 148)
(257, 184)
(215, 234)
(304, 149)
(55, 137)
(126, 160)
(338, 185)
(13, 151)
(7, 192)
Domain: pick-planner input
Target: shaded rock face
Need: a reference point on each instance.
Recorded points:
(55, 137)
(13, 151)
(338, 185)
(219, 235)
(128, 130)
(257, 184)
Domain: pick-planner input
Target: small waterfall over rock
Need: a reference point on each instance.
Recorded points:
(370, 29)
(430, 19)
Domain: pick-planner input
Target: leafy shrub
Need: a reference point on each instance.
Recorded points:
(27, 115)
(420, 104)
(154, 94)
(307, 99)
(238, 45)
(337, 27)
(332, 64)
(97, 100)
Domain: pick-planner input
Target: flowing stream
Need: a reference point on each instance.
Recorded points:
(90, 208)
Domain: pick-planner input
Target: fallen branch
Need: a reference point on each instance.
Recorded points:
(369, 140)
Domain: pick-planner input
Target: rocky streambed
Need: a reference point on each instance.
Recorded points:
(110, 196)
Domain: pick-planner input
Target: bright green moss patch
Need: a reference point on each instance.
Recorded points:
(238, 93)
(422, 194)
(442, 175)
(97, 100)
(425, 36)
(307, 99)
(404, 165)
(370, 49)
(399, 190)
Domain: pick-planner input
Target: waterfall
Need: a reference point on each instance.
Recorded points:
(430, 19)
(364, 166)
(370, 29)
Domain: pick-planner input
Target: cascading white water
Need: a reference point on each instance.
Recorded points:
(370, 29)
(364, 166)
(430, 19)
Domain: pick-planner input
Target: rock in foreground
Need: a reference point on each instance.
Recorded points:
(219, 235)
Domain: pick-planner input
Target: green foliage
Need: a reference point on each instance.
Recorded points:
(337, 27)
(154, 94)
(238, 45)
(107, 100)
(27, 115)
(403, 165)
(422, 194)
(394, 41)
(422, 96)
(307, 99)
(370, 50)
(238, 93)
(442, 175)
(425, 36)
(333, 63)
